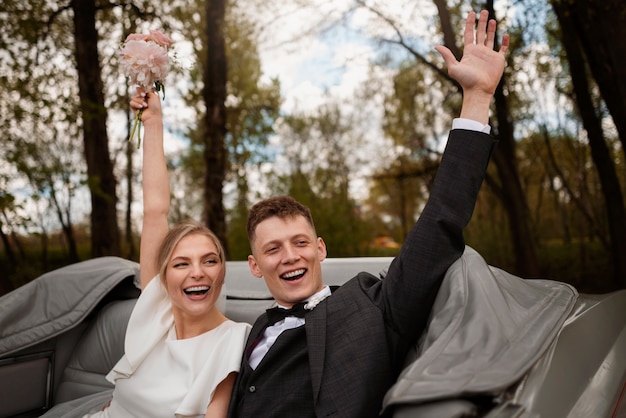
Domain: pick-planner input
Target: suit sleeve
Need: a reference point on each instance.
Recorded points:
(436, 240)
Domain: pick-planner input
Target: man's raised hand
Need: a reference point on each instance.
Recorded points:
(480, 69)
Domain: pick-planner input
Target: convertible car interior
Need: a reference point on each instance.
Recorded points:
(496, 345)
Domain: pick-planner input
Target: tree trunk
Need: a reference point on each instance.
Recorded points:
(5, 283)
(64, 218)
(449, 32)
(600, 26)
(44, 242)
(128, 222)
(214, 94)
(105, 235)
(511, 193)
(14, 237)
(575, 196)
(600, 152)
(8, 250)
(130, 26)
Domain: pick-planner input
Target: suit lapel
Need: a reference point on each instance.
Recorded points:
(315, 327)
(255, 335)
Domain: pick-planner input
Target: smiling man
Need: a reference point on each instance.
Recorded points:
(287, 251)
(335, 352)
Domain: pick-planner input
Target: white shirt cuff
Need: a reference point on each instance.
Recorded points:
(470, 125)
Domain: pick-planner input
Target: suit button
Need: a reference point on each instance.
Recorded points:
(252, 389)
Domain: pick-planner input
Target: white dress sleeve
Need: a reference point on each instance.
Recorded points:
(182, 374)
(153, 307)
(222, 357)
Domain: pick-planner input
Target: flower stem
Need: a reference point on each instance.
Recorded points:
(136, 127)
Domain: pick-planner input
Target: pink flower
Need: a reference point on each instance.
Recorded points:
(136, 37)
(161, 39)
(145, 61)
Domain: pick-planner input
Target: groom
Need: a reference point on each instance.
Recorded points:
(339, 353)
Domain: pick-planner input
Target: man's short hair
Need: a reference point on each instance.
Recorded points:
(279, 206)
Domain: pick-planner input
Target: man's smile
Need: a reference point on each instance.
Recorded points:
(293, 275)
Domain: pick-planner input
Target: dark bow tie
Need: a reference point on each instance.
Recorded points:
(277, 313)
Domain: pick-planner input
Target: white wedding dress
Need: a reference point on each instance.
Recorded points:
(170, 377)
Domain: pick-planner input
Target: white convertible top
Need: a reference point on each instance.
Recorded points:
(40, 309)
(487, 329)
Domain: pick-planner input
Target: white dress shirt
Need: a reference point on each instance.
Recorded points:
(470, 125)
(271, 333)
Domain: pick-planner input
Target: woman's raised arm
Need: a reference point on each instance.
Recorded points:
(155, 184)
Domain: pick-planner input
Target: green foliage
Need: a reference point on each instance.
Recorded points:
(34, 259)
(398, 194)
(317, 165)
(412, 113)
(41, 137)
(579, 263)
(319, 152)
(237, 236)
(584, 264)
(567, 213)
(416, 107)
(252, 108)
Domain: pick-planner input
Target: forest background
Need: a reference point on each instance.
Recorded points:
(363, 159)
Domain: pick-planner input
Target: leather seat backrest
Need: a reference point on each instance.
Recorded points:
(97, 351)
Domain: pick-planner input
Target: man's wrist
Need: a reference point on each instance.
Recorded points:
(476, 106)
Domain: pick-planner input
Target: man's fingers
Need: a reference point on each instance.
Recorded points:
(505, 44)
(491, 34)
(485, 31)
(447, 55)
(468, 34)
(482, 27)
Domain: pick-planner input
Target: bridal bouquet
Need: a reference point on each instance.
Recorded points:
(145, 61)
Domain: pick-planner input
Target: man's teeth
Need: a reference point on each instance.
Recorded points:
(293, 274)
(197, 289)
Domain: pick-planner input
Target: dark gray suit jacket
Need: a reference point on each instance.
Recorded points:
(358, 338)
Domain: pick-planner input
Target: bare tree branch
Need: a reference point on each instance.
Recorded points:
(402, 42)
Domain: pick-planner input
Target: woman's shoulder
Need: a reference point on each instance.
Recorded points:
(232, 326)
(232, 331)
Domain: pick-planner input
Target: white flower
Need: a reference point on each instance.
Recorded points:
(314, 301)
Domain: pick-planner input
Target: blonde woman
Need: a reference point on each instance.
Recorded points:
(181, 353)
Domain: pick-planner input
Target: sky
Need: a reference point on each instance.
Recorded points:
(312, 58)
(299, 45)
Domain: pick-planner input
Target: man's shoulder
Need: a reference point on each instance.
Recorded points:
(363, 281)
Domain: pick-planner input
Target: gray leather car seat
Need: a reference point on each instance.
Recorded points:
(99, 348)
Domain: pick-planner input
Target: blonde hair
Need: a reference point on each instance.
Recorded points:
(176, 234)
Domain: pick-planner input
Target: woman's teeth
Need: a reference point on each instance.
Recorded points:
(197, 290)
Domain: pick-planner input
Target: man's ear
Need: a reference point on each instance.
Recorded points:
(254, 267)
(321, 249)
